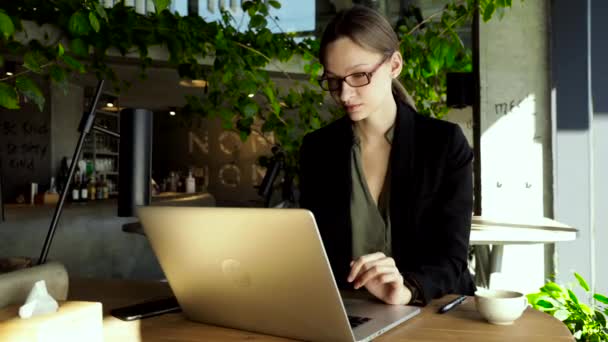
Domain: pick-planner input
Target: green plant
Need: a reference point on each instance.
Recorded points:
(88, 32)
(587, 323)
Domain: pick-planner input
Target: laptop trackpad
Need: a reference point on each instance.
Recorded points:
(379, 317)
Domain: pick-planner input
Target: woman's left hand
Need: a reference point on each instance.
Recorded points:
(380, 276)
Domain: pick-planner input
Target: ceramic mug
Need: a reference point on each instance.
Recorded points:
(500, 306)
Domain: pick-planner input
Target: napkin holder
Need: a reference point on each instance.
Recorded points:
(73, 322)
(16, 285)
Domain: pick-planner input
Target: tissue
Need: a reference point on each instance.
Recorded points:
(38, 302)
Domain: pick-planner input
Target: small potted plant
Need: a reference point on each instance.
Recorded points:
(587, 323)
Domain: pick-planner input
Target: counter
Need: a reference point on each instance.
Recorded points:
(89, 239)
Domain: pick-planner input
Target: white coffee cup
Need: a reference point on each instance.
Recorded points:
(500, 306)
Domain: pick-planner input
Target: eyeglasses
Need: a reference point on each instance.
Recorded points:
(357, 79)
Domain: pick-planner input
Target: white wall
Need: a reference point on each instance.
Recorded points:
(515, 122)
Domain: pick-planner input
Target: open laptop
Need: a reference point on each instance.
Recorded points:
(261, 270)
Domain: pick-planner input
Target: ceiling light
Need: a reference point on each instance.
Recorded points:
(193, 83)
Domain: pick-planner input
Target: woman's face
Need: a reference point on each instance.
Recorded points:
(343, 58)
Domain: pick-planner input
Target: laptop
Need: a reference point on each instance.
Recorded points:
(261, 270)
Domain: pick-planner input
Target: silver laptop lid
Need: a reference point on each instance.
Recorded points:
(262, 270)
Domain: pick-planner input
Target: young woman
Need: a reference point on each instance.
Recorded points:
(391, 190)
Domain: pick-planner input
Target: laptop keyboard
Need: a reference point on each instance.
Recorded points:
(356, 321)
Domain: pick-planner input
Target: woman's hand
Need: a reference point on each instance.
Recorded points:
(380, 276)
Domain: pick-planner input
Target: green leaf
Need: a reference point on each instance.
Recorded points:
(60, 50)
(93, 21)
(8, 96)
(57, 73)
(78, 24)
(601, 298)
(572, 296)
(489, 10)
(544, 304)
(562, 314)
(79, 47)
(161, 5)
(73, 63)
(581, 281)
(552, 287)
(274, 4)
(244, 135)
(586, 309)
(258, 21)
(599, 317)
(250, 109)
(315, 123)
(227, 77)
(101, 11)
(30, 90)
(33, 61)
(7, 28)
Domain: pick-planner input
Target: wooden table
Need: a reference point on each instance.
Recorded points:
(461, 324)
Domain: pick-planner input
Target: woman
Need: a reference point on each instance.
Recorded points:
(391, 190)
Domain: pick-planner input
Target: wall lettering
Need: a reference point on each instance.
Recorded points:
(230, 175)
(505, 108)
(230, 142)
(203, 145)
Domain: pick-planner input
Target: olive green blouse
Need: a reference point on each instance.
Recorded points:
(371, 225)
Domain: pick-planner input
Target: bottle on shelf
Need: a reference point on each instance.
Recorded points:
(76, 187)
(190, 184)
(91, 189)
(84, 191)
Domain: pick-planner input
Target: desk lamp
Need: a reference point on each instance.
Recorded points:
(134, 162)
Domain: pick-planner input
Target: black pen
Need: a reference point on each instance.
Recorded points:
(449, 306)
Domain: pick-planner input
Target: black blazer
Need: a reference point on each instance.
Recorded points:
(430, 205)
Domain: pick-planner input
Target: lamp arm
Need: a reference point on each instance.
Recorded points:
(86, 125)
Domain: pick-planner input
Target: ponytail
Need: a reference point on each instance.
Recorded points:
(401, 93)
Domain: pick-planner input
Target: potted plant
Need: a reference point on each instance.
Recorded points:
(587, 323)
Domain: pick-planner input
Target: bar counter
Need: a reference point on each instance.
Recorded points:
(89, 239)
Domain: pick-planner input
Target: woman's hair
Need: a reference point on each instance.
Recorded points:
(368, 29)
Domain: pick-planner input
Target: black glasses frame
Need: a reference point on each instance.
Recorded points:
(324, 81)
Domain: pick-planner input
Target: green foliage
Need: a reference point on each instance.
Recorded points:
(8, 96)
(30, 90)
(241, 55)
(6, 25)
(586, 323)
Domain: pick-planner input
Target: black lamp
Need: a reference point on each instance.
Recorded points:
(134, 162)
(460, 89)
(1, 196)
(276, 164)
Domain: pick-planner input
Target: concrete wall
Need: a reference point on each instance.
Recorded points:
(67, 106)
(516, 139)
(226, 165)
(25, 147)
